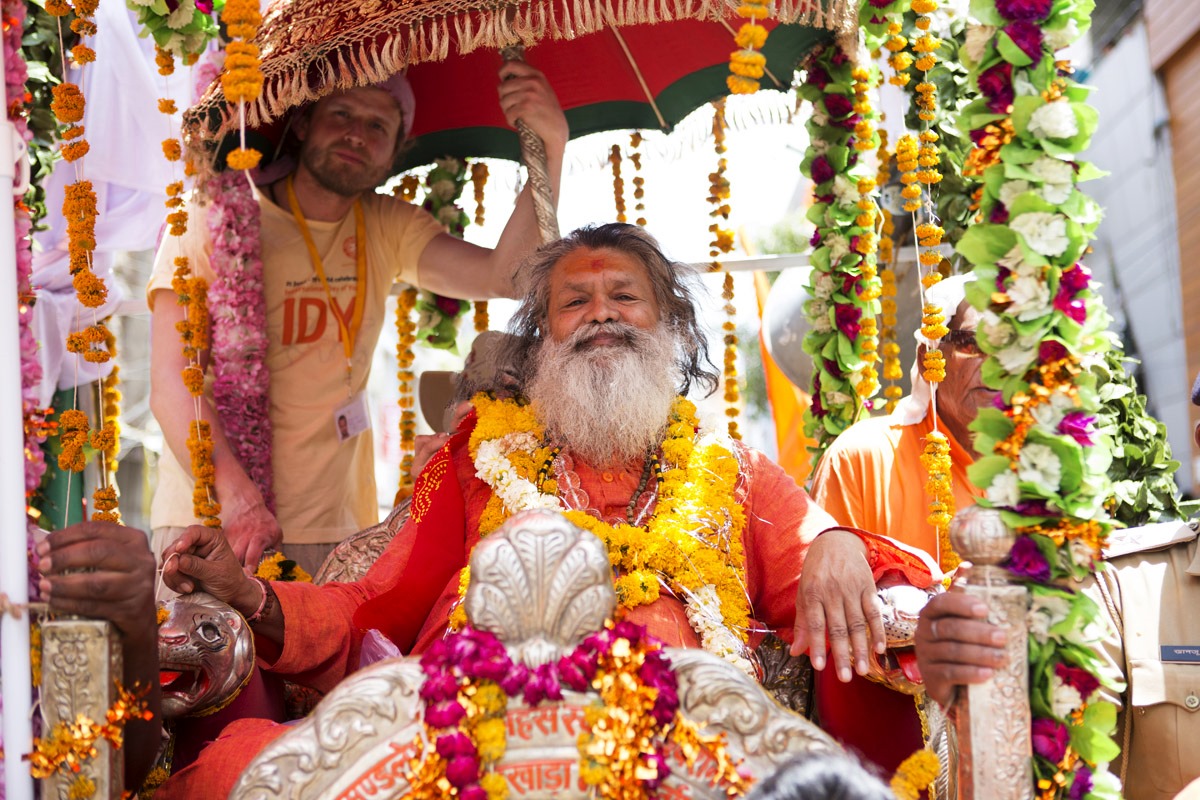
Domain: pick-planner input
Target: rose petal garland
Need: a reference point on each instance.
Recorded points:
(241, 379)
(15, 74)
(1041, 318)
(844, 285)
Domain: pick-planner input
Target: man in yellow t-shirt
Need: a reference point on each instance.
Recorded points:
(322, 321)
(871, 477)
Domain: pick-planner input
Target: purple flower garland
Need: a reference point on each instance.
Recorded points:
(241, 389)
(473, 655)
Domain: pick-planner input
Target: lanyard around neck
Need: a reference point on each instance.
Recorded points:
(349, 333)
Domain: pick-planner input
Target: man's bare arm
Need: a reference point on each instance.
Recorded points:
(455, 268)
(250, 527)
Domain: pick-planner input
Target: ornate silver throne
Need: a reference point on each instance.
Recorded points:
(541, 585)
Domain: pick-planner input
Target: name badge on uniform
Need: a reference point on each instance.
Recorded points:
(351, 418)
(1180, 653)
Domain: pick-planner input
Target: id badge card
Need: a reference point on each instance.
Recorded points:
(351, 418)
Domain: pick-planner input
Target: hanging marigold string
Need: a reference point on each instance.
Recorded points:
(241, 78)
(614, 159)
(406, 338)
(191, 294)
(94, 342)
(107, 440)
(70, 745)
(889, 347)
(479, 178)
(722, 244)
(407, 190)
(747, 64)
(732, 393)
(718, 192)
(639, 182)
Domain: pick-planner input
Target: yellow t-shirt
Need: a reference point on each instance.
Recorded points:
(324, 488)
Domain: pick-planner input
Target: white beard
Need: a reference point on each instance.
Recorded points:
(608, 404)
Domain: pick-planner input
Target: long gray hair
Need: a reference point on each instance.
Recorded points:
(675, 298)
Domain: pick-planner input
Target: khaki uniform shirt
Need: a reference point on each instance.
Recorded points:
(1151, 595)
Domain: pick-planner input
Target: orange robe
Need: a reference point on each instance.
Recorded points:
(324, 624)
(871, 477)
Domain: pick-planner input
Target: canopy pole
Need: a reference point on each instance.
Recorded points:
(14, 576)
(533, 153)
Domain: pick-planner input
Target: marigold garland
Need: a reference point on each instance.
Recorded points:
(479, 178)
(405, 339)
(718, 192)
(614, 160)
(278, 567)
(241, 77)
(729, 369)
(73, 435)
(915, 775)
(95, 342)
(938, 485)
(722, 243)
(692, 542)
(747, 64)
(639, 183)
(70, 745)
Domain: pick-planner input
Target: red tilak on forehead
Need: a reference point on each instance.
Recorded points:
(596, 264)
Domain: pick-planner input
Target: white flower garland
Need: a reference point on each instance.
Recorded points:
(703, 607)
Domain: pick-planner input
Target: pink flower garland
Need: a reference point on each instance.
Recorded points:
(477, 655)
(241, 389)
(15, 74)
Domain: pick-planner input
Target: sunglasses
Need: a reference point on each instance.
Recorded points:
(964, 342)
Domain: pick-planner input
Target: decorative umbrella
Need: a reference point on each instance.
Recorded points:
(614, 65)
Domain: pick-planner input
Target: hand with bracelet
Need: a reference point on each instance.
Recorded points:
(202, 559)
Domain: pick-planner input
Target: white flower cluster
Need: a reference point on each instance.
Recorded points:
(182, 16)
(839, 248)
(1046, 611)
(1054, 120)
(704, 614)
(818, 311)
(444, 189)
(978, 38)
(1003, 490)
(1044, 232)
(845, 190)
(1039, 465)
(493, 468)
(1049, 415)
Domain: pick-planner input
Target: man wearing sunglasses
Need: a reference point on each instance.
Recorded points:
(872, 477)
